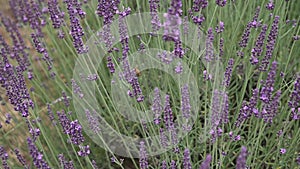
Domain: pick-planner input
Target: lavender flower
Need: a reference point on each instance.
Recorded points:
(220, 27)
(268, 87)
(257, 50)
(8, 118)
(56, 16)
(4, 157)
(76, 89)
(143, 156)
(270, 109)
(36, 155)
(93, 121)
(272, 37)
(173, 165)
(65, 163)
(165, 57)
(245, 37)
(157, 106)
(66, 100)
(154, 5)
(241, 160)
(163, 138)
(164, 165)
(270, 6)
(20, 158)
(187, 159)
(206, 163)
(221, 3)
(178, 68)
(209, 54)
(199, 4)
(282, 151)
(84, 151)
(221, 47)
(294, 102)
(50, 113)
(185, 101)
(243, 114)
(168, 114)
(228, 72)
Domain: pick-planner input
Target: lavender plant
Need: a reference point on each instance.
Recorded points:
(149, 84)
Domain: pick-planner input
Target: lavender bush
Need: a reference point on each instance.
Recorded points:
(183, 84)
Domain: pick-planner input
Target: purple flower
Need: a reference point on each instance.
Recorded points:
(220, 27)
(164, 165)
(36, 155)
(199, 4)
(50, 113)
(257, 50)
(178, 68)
(268, 86)
(165, 57)
(187, 159)
(76, 89)
(294, 101)
(154, 5)
(228, 72)
(64, 162)
(84, 151)
(143, 156)
(168, 114)
(185, 101)
(93, 121)
(157, 107)
(241, 160)
(221, 3)
(163, 138)
(206, 163)
(8, 118)
(243, 114)
(221, 47)
(4, 157)
(66, 100)
(270, 110)
(56, 15)
(209, 53)
(173, 165)
(282, 151)
(272, 37)
(20, 158)
(270, 6)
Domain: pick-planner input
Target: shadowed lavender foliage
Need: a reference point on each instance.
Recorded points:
(206, 163)
(157, 107)
(64, 163)
(143, 156)
(20, 158)
(242, 158)
(271, 41)
(258, 49)
(187, 159)
(36, 155)
(4, 158)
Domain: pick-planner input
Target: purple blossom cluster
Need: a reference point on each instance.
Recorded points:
(258, 49)
(165, 57)
(220, 28)
(241, 160)
(56, 15)
(206, 163)
(185, 101)
(110, 64)
(157, 107)
(187, 159)
(64, 163)
(228, 72)
(156, 24)
(221, 3)
(270, 110)
(209, 51)
(20, 158)
(76, 31)
(294, 102)
(93, 121)
(143, 156)
(36, 155)
(84, 151)
(168, 114)
(199, 4)
(270, 6)
(4, 158)
(71, 128)
(268, 88)
(271, 41)
(107, 9)
(76, 89)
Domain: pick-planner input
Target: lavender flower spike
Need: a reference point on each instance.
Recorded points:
(143, 156)
(187, 159)
(241, 160)
(206, 162)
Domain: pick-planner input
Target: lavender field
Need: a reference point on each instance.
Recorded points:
(150, 84)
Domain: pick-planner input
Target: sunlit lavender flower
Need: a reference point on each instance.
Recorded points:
(272, 37)
(157, 107)
(84, 151)
(257, 50)
(282, 151)
(56, 16)
(36, 155)
(173, 165)
(241, 160)
(221, 3)
(206, 163)
(143, 156)
(228, 72)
